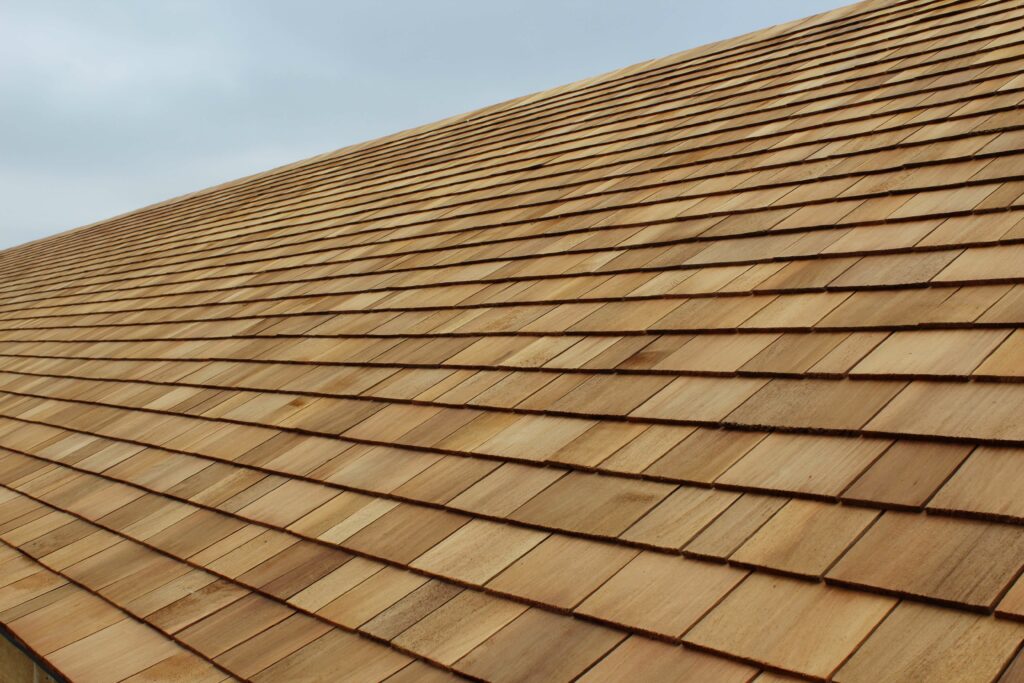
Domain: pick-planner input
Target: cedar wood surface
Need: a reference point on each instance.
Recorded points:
(708, 369)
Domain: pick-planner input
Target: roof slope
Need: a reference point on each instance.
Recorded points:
(708, 369)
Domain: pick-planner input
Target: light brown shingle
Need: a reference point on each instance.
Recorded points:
(562, 387)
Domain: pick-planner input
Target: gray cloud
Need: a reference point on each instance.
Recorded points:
(108, 105)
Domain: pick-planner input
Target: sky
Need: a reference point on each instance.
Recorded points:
(109, 105)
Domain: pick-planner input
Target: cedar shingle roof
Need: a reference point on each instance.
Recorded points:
(706, 369)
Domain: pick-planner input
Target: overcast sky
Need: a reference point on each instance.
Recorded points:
(109, 105)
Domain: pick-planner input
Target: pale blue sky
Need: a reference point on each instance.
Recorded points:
(109, 105)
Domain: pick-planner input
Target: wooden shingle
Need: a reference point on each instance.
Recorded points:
(705, 369)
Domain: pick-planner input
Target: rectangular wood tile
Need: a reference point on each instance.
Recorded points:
(592, 503)
(562, 570)
(640, 658)
(805, 537)
(459, 625)
(988, 482)
(958, 560)
(539, 645)
(660, 593)
(802, 627)
(920, 641)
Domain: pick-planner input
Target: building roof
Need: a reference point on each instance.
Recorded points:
(709, 369)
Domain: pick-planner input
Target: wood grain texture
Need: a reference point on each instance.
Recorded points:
(708, 368)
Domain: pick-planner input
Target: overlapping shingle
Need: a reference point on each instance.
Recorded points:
(706, 369)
